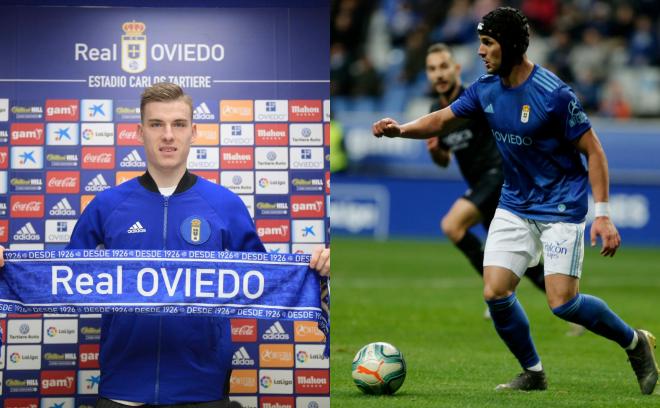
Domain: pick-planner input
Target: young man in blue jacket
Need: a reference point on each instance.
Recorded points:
(166, 360)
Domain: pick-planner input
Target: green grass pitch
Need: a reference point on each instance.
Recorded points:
(424, 298)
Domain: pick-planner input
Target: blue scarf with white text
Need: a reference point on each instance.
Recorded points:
(165, 282)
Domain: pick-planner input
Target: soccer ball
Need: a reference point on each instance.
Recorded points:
(379, 368)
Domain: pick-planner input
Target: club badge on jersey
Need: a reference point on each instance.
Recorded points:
(195, 230)
(524, 115)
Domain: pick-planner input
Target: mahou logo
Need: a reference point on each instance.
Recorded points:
(62, 182)
(27, 134)
(274, 230)
(98, 158)
(244, 330)
(127, 134)
(305, 111)
(236, 158)
(26, 206)
(271, 134)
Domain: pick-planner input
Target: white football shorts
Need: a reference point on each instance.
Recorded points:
(517, 243)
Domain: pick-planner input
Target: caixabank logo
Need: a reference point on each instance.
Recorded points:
(134, 51)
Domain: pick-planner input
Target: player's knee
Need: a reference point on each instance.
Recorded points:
(451, 229)
(492, 292)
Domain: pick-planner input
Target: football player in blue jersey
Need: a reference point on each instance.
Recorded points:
(541, 131)
(167, 360)
(478, 159)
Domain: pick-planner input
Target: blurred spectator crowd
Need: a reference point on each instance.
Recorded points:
(607, 51)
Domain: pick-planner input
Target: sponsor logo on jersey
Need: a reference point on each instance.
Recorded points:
(136, 228)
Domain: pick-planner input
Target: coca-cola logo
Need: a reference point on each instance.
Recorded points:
(30, 206)
(246, 330)
(66, 182)
(97, 158)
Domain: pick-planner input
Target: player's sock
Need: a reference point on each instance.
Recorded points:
(594, 314)
(471, 247)
(512, 325)
(536, 275)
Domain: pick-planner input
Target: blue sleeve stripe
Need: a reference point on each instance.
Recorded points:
(547, 79)
(543, 84)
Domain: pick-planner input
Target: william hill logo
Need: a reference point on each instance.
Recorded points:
(136, 52)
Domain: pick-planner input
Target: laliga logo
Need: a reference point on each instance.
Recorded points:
(266, 381)
(301, 356)
(133, 47)
(15, 357)
(52, 331)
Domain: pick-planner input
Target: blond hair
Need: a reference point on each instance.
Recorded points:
(164, 92)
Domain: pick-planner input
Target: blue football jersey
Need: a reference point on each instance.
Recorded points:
(535, 126)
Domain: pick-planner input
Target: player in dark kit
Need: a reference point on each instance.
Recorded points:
(478, 159)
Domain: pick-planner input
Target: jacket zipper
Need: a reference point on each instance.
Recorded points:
(160, 318)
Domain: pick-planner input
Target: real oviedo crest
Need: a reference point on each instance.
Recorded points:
(195, 230)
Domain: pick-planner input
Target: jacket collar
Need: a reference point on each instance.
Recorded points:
(187, 181)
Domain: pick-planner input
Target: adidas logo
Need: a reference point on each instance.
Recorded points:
(276, 332)
(62, 208)
(133, 159)
(241, 357)
(136, 228)
(489, 108)
(202, 112)
(27, 233)
(98, 183)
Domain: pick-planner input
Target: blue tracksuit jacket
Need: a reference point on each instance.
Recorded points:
(165, 359)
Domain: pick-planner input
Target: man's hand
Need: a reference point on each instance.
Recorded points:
(386, 127)
(321, 260)
(2, 259)
(604, 228)
(433, 144)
